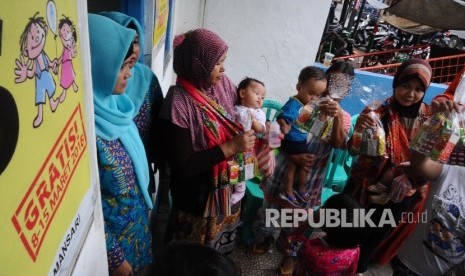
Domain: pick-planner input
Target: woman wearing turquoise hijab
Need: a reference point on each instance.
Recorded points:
(145, 92)
(122, 162)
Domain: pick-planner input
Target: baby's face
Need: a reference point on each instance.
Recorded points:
(253, 95)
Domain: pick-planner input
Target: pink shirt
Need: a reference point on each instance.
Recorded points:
(318, 258)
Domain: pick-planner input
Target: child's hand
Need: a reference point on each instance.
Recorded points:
(330, 108)
(73, 49)
(365, 120)
(22, 69)
(251, 114)
(284, 127)
(257, 127)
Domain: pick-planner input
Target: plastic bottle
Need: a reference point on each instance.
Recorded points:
(274, 136)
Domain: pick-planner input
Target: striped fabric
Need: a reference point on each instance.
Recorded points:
(266, 161)
(414, 67)
(274, 185)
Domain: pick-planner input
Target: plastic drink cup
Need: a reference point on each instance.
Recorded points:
(328, 58)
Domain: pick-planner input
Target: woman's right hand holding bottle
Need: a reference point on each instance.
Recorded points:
(240, 143)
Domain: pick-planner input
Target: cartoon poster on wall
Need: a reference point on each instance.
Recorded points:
(169, 37)
(45, 166)
(161, 23)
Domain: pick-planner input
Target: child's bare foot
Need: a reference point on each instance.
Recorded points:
(39, 118)
(63, 96)
(37, 121)
(54, 104)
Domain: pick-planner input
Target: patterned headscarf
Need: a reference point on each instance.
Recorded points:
(196, 55)
(408, 70)
(413, 68)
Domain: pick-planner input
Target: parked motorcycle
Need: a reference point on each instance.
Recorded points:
(446, 39)
(335, 40)
(365, 28)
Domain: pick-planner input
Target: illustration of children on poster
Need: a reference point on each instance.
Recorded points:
(35, 63)
(32, 44)
(68, 38)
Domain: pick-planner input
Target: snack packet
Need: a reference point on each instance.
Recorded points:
(306, 116)
(242, 167)
(458, 154)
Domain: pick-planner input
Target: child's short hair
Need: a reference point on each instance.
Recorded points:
(246, 82)
(184, 258)
(344, 237)
(311, 72)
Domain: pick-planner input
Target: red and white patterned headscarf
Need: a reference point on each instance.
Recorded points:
(196, 56)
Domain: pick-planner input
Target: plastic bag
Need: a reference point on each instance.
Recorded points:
(370, 141)
(320, 125)
(311, 120)
(399, 188)
(339, 85)
(437, 137)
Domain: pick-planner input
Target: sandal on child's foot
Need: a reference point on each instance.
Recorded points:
(377, 188)
(291, 199)
(255, 249)
(260, 248)
(380, 199)
(302, 196)
(286, 268)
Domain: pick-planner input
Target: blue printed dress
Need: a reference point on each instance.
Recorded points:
(126, 214)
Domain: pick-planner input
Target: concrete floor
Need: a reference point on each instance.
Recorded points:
(265, 265)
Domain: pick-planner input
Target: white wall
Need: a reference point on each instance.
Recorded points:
(188, 15)
(271, 40)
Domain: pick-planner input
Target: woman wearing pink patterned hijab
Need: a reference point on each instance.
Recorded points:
(199, 137)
